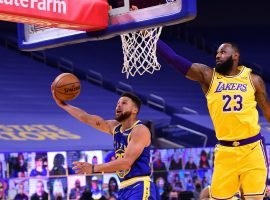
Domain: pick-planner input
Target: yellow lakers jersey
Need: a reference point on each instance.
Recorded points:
(232, 106)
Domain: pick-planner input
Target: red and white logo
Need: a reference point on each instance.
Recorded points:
(71, 14)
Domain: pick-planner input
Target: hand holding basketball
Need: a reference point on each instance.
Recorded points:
(58, 101)
(65, 87)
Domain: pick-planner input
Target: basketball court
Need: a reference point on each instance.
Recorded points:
(32, 132)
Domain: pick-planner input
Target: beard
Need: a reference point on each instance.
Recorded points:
(123, 116)
(225, 67)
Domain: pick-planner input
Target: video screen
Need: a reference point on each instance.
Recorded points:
(57, 163)
(186, 159)
(3, 166)
(38, 188)
(37, 164)
(18, 189)
(177, 173)
(111, 185)
(74, 156)
(95, 187)
(94, 157)
(58, 188)
(3, 188)
(18, 165)
(76, 186)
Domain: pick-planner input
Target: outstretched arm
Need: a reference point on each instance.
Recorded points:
(140, 139)
(261, 95)
(95, 121)
(193, 71)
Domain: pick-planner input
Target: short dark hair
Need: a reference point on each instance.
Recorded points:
(134, 98)
(234, 46)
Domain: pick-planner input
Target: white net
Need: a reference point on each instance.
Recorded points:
(139, 49)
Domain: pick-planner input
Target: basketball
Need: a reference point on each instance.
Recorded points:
(67, 87)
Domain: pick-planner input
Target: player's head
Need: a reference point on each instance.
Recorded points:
(227, 57)
(128, 104)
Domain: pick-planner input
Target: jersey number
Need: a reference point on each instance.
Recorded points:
(227, 99)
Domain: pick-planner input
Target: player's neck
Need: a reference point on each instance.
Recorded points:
(128, 123)
(235, 71)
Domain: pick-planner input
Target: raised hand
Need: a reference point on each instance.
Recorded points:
(57, 100)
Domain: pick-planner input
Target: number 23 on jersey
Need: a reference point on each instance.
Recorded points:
(232, 103)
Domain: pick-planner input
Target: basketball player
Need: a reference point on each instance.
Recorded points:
(131, 143)
(232, 92)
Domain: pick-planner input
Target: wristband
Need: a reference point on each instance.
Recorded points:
(178, 62)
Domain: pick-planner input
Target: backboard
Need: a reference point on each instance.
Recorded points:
(150, 13)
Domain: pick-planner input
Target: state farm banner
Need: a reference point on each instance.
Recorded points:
(87, 15)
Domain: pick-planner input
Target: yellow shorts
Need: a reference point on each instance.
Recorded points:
(235, 167)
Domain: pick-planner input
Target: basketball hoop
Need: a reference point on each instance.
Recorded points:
(139, 49)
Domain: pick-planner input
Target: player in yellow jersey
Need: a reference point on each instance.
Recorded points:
(232, 93)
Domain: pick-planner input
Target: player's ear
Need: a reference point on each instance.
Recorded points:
(236, 55)
(135, 110)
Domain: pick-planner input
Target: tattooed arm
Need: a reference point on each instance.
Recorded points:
(95, 121)
(201, 73)
(261, 95)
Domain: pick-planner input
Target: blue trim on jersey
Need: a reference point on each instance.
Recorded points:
(141, 167)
